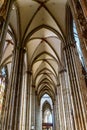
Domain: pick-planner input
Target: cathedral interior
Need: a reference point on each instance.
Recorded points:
(43, 64)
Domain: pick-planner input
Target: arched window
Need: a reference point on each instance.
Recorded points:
(47, 116)
(78, 45)
(84, 69)
(47, 113)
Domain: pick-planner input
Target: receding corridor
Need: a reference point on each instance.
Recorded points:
(43, 65)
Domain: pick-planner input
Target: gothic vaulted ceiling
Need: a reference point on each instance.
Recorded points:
(39, 25)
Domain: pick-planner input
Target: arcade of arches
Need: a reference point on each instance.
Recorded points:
(43, 65)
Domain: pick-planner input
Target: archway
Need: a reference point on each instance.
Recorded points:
(47, 112)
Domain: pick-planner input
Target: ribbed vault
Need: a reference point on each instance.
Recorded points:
(39, 27)
(45, 60)
(40, 72)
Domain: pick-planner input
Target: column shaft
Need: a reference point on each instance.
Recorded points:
(81, 25)
(23, 102)
(69, 51)
(67, 99)
(60, 109)
(28, 100)
(78, 115)
(38, 119)
(13, 99)
(54, 116)
(33, 108)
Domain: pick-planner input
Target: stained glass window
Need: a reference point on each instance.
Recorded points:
(78, 45)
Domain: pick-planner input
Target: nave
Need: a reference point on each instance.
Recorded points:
(43, 65)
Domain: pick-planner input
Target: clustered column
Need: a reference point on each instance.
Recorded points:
(66, 100)
(54, 115)
(28, 100)
(23, 101)
(33, 108)
(64, 120)
(58, 120)
(61, 108)
(77, 111)
(38, 119)
(77, 101)
(11, 118)
(81, 25)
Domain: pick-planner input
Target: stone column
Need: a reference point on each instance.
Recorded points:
(33, 108)
(5, 27)
(81, 24)
(66, 99)
(38, 119)
(81, 89)
(58, 108)
(77, 111)
(72, 70)
(28, 100)
(52, 118)
(11, 118)
(61, 112)
(23, 102)
(54, 115)
(58, 115)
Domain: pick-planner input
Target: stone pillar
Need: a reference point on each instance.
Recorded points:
(60, 112)
(66, 100)
(54, 115)
(38, 119)
(11, 118)
(28, 100)
(23, 102)
(52, 118)
(5, 27)
(77, 110)
(81, 24)
(33, 108)
(82, 90)
(58, 115)
(58, 108)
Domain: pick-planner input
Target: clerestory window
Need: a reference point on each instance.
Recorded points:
(78, 46)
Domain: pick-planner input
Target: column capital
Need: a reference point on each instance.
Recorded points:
(62, 70)
(58, 85)
(70, 44)
(33, 85)
(36, 93)
(29, 72)
(19, 47)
